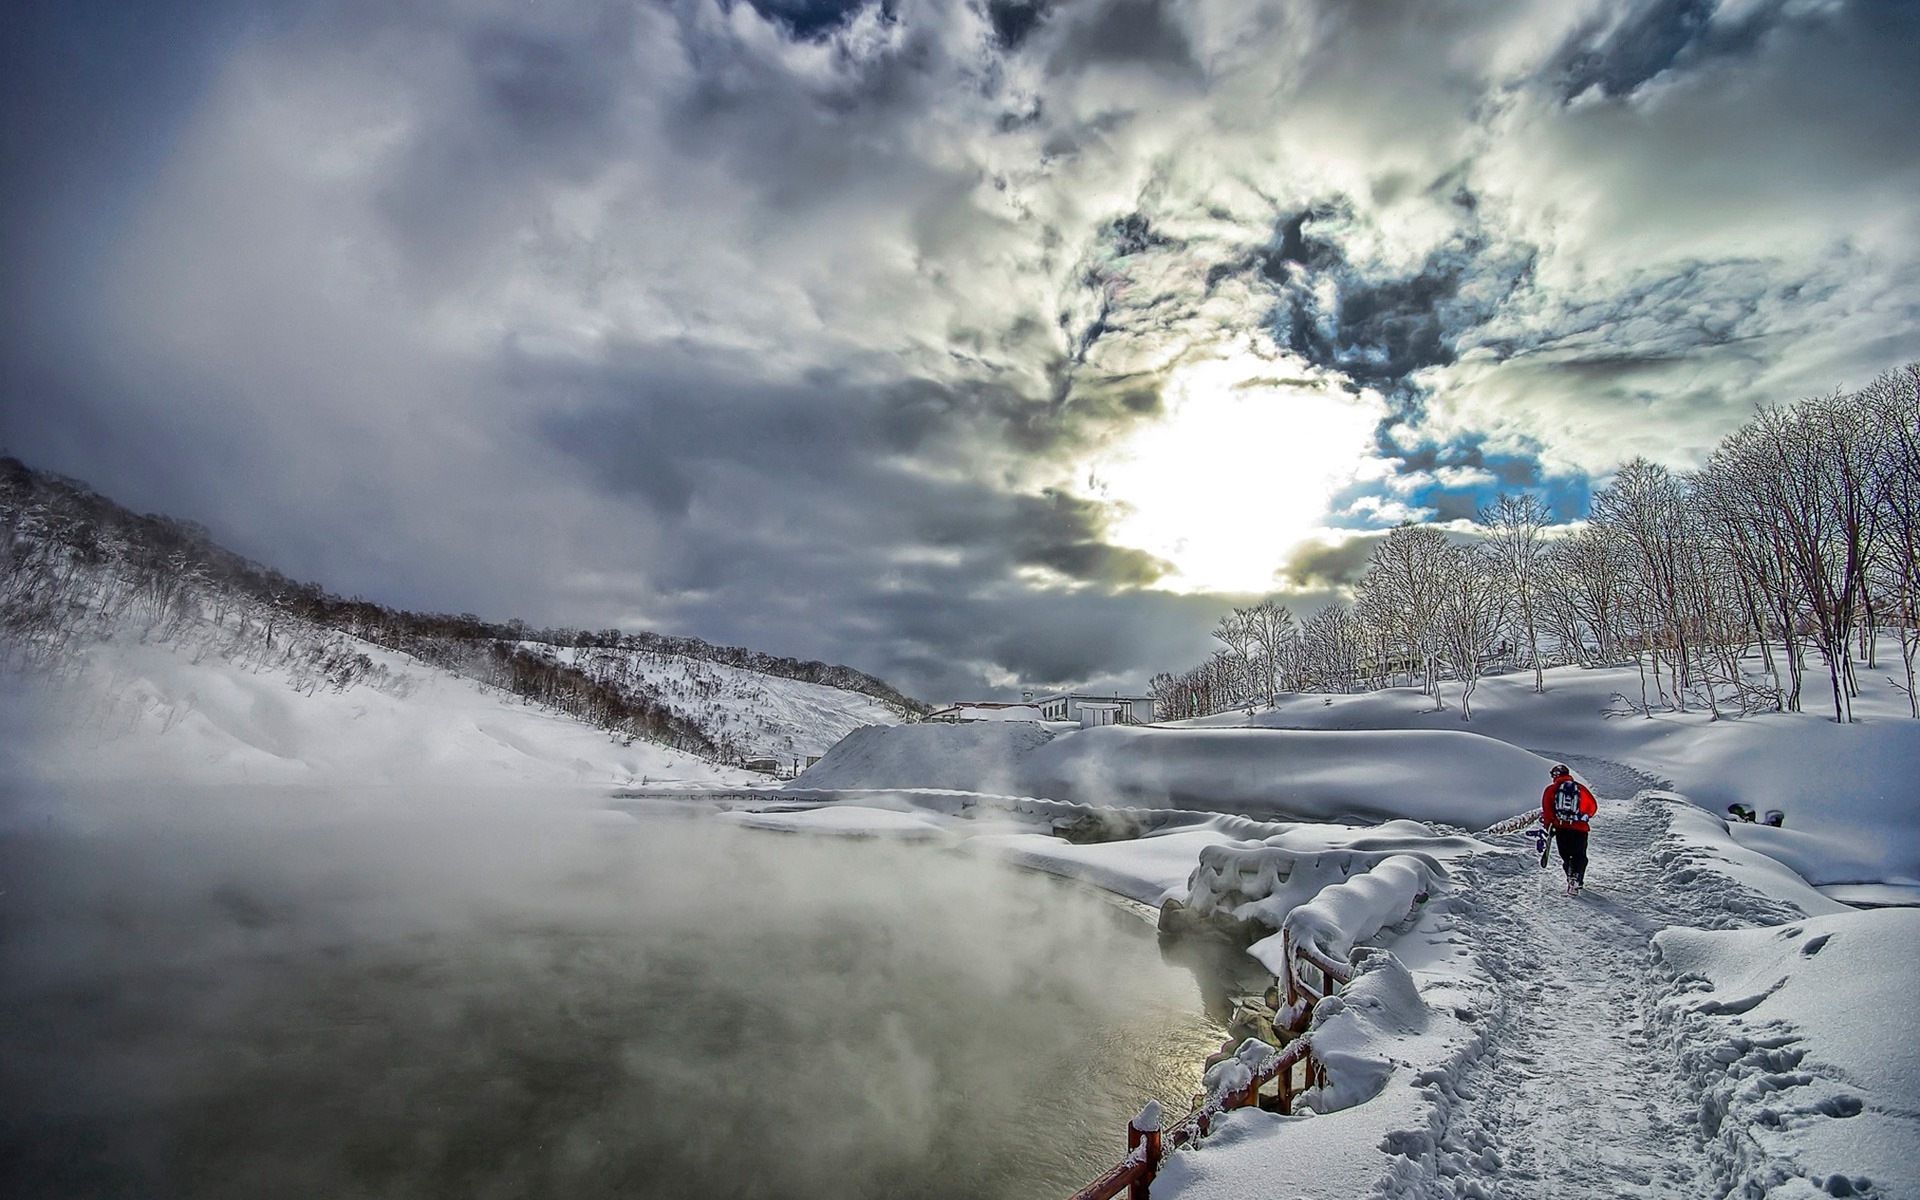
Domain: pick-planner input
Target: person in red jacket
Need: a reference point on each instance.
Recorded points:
(1565, 808)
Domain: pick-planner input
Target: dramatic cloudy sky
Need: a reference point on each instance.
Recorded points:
(972, 343)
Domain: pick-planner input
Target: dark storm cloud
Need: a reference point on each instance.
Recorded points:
(1142, 33)
(1618, 52)
(809, 18)
(1330, 566)
(802, 323)
(1375, 329)
(1014, 20)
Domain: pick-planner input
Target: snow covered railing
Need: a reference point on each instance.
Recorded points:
(1237, 1083)
(1256, 1065)
(1321, 933)
(1309, 955)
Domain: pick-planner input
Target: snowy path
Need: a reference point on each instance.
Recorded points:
(1567, 1099)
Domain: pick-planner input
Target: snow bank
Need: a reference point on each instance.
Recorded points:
(1360, 1034)
(1698, 841)
(1802, 1044)
(1397, 1041)
(1266, 879)
(1351, 911)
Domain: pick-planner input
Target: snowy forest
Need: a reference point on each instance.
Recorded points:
(1755, 583)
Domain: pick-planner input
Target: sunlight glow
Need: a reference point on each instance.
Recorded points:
(1237, 471)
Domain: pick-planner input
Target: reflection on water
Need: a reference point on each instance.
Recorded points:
(673, 1010)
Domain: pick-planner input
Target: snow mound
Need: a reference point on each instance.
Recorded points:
(977, 757)
(1802, 1045)
(1352, 911)
(1456, 778)
(1451, 777)
(1846, 790)
(1361, 1034)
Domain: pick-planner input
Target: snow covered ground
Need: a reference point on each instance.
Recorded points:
(1847, 791)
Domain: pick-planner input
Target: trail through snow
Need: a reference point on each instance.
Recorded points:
(1568, 1097)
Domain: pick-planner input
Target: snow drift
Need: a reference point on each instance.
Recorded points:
(1801, 1043)
(1445, 776)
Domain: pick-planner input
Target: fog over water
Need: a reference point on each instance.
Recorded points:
(302, 995)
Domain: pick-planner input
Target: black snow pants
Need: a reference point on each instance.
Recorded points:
(1573, 852)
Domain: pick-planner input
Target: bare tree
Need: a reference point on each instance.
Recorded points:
(1473, 609)
(1401, 595)
(1511, 526)
(1893, 401)
(1331, 643)
(1236, 630)
(1271, 624)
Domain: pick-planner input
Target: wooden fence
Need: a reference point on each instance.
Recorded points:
(1147, 1144)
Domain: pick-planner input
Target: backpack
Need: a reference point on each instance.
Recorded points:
(1566, 803)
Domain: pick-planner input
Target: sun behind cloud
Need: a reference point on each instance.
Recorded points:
(1237, 470)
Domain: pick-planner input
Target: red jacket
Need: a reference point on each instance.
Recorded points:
(1588, 806)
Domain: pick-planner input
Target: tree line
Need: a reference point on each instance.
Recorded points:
(1731, 588)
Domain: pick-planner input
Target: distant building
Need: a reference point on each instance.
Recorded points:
(1086, 708)
(766, 766)
(1083, 708)
(985, 710)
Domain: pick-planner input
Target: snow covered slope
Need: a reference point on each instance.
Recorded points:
(148, 712)
(746, 712)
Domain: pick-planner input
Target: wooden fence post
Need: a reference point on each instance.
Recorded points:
(1137, 1190)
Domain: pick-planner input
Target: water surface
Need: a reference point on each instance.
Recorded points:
(481, 1006)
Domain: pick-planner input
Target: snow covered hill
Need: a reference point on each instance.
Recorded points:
(157, 711)
(746, 713)
(116, 623)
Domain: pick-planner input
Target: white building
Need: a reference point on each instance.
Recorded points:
(985, 710)
(1089, 709)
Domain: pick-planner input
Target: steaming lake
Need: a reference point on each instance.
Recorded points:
(493, 1005)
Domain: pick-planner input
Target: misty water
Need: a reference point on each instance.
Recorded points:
(498, 1000)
